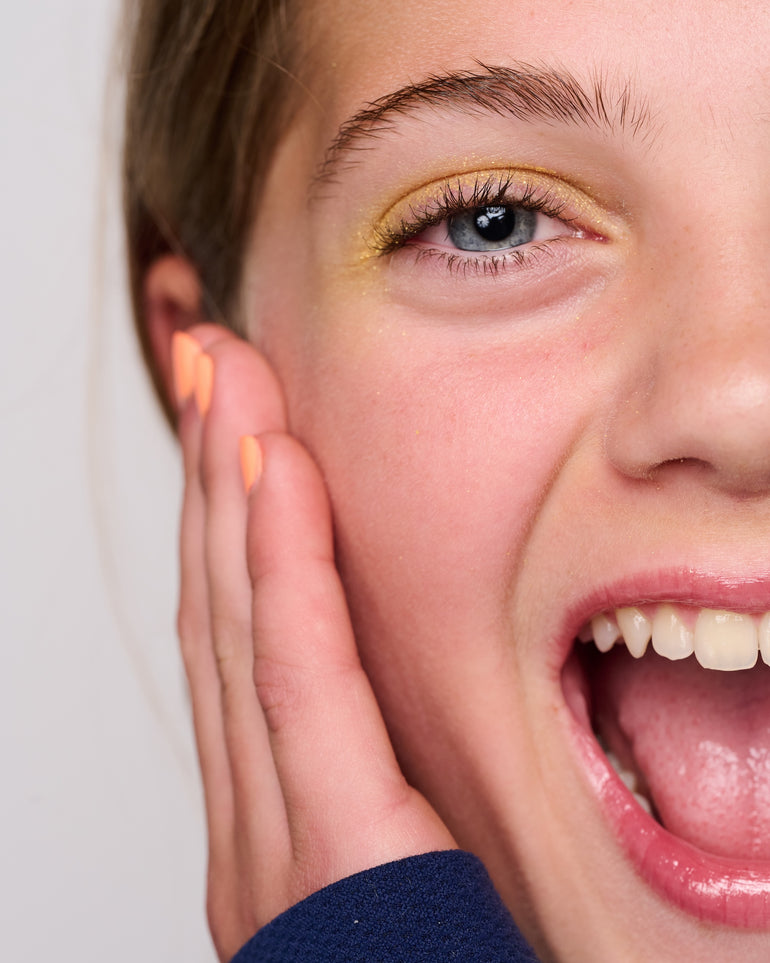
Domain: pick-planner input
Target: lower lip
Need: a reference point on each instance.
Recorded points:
(710, 888)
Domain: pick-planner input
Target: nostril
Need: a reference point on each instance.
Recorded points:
(709, 441)
(696, 464)
(740, 479)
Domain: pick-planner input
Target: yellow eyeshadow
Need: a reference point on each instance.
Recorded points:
(429, 199)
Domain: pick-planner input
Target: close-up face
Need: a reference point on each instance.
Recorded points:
(510, 265)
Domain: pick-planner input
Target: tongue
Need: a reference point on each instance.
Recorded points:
(700, 741)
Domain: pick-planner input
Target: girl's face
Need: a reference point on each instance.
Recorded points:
(521, 312)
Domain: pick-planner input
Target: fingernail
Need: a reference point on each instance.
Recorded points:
(251, 461)
(204, 382)
(184, 354)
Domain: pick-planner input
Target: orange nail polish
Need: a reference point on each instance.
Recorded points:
(251, 461)
(184, 355)
(204, 382)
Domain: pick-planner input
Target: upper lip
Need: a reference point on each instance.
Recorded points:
(735, 593)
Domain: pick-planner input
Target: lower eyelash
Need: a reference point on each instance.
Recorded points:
(483, 265)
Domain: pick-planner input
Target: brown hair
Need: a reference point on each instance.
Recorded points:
(207, 95)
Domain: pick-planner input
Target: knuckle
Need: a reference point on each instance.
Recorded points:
(207, 473)
(232, 649)
(231, 636)
(189, 634)
(279, 687)
(183, 624)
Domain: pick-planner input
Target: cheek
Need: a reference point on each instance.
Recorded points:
(438, 450)
(440, 443)
(441, 448)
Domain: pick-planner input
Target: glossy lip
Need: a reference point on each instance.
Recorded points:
(711, 888)
(684, 587)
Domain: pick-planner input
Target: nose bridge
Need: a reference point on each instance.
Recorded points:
(698, 391)
(714, 330)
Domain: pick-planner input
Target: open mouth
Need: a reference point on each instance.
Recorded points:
(673, 703)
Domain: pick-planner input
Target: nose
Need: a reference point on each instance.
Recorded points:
(696, 403)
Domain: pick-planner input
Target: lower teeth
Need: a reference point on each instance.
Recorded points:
(628, 779)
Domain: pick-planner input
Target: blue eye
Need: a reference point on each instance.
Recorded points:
(496, 220)
(495, 228)
(490, 229)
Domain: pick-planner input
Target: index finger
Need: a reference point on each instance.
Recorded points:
(349, 806)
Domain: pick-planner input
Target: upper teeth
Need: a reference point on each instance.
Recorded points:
(720, 640)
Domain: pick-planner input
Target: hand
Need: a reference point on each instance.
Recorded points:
(301, 784)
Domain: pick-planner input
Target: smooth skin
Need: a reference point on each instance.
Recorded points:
(495, 449)
(276, 683)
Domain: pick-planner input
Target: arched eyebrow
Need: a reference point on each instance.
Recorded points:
(522, 92)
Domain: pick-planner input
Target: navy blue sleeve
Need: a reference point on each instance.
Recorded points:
(437, 907)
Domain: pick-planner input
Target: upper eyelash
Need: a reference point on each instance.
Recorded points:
(490, 192)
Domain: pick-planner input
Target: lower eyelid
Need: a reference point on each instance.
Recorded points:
(467, 264)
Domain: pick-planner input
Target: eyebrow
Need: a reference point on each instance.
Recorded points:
(523, 92)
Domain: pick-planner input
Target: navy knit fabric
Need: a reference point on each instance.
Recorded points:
(437, 907)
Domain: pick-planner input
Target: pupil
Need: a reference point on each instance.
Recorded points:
(494, 223)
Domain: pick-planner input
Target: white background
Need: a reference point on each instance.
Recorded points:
(101, 832)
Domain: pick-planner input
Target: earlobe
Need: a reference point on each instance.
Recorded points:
(172, 302)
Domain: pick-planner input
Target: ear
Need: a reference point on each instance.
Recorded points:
(172, 302)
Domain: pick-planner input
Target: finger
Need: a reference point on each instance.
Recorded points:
(194, 624)
(203, 681)
(348, 804)
(231, 883)
(244, 397)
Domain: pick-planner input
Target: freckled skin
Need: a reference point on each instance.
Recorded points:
(497, 449)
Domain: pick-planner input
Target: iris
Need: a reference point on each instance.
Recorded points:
(492, 228)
